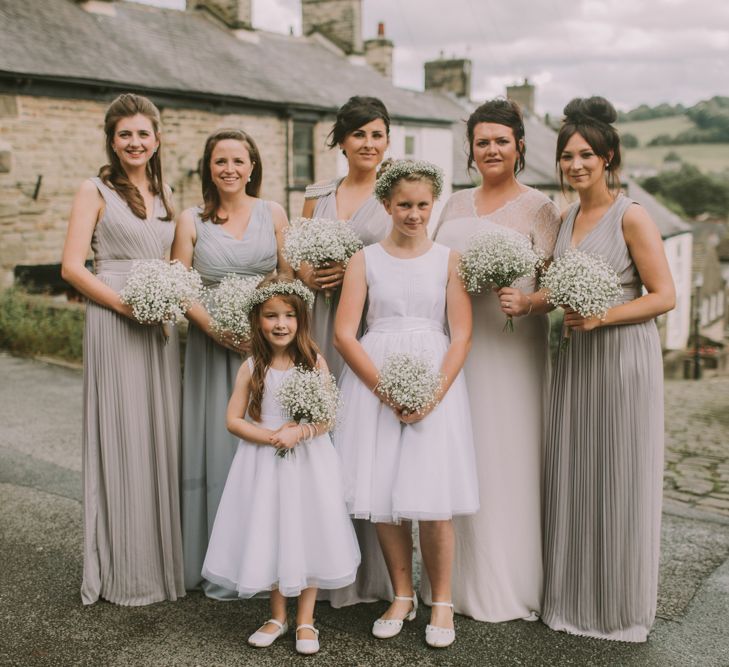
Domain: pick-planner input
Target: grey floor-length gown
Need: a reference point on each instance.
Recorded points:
(604, 463)
(371, 223)
(132, 541)
(210, 371)
(497, 572)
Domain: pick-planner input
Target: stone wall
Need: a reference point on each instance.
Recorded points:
(61, 140)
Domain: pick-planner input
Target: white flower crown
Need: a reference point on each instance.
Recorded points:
(404, 168)
(263, 294)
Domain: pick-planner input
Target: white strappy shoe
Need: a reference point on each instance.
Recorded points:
(385, 628)
(261, 639)
(439, 637)
(307, 646)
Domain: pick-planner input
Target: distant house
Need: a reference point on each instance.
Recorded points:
(63, 61)
(710, 279)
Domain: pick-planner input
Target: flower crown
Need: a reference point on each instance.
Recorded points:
(263, 294)
(404, 168)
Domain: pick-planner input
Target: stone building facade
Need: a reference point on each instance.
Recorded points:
(55, 86)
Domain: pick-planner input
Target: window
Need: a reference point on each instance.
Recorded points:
(409, 145)
(303, 152)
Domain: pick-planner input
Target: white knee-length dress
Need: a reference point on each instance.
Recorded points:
(391, 471)
(281, 522)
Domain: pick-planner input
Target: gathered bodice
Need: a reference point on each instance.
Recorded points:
(412, 288)
(606, 239)
(120, 236)
(370, 222)
(218, 253)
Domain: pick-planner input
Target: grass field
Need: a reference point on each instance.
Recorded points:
(645, 130)
(709, 158)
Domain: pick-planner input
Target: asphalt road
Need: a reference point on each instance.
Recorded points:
(42, 621)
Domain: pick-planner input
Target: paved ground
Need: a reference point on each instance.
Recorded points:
(42, 621)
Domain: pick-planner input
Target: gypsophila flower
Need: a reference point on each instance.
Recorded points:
(227, 304)
(317, 241)
(584, 282)
(160, 291)
(497, 259)
(409, 381)
(403, 169)
(262, 294)
(309, 396)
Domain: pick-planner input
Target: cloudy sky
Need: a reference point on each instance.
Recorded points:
(630, 51)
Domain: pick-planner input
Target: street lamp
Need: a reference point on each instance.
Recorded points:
(698, 284)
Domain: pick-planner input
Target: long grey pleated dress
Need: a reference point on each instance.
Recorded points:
(210, 372)
(132, 541)
(371, 222)
(604, 463)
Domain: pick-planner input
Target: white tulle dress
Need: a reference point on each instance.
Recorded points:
(422, 471)
(282, 522)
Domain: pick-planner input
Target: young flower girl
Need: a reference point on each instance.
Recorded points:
(282, 524)
(401, 465)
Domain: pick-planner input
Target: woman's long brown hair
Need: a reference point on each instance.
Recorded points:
(113, 174)
(303, 349)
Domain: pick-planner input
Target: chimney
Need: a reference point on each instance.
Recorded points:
(340, 21)
(236, 14)
(378, 52)
(449, 76)
(523, 95)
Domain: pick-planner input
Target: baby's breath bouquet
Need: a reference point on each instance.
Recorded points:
(309, 396)
(227, 305)
(317, 241)
(409, 381)
(497, 259)
(583, 281)
(160, 291)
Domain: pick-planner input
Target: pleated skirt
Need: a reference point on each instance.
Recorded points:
(603, 484)
(132, 538)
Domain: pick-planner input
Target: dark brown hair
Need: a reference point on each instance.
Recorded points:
(211, 196)
(353, 114)
(113, 174)
(592, 118)
(303, 349)
(503, 112)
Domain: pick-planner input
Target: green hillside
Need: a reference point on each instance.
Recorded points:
(645, 130)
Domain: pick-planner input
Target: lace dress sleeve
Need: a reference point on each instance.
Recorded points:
(459, 205)
(546, 228)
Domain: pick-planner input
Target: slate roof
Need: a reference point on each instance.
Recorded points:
(669, 224)
(154, 49)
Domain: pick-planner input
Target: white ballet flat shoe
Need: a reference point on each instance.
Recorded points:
(384, 628)
(307, 646)
(261, 639)
(439, 637)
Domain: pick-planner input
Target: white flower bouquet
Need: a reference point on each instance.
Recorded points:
(317, 241)
(228, 306)
(497, 259)
(583, 281)
(409, 381)
(308, 396)
(159, 291)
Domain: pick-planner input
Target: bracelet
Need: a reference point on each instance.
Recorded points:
(531, 304)
(303, 433)
(312, 430)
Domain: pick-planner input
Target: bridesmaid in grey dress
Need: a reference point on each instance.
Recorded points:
(604, 450)
(233, 232)
(362, 132)
(132, 542)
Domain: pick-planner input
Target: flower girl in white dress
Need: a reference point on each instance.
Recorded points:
(400, 466)
(282, 525)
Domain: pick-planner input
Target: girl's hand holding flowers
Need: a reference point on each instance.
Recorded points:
(288, 436)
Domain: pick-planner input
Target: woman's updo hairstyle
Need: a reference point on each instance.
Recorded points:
(504, 112)
(353, 114)
(592, 118)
